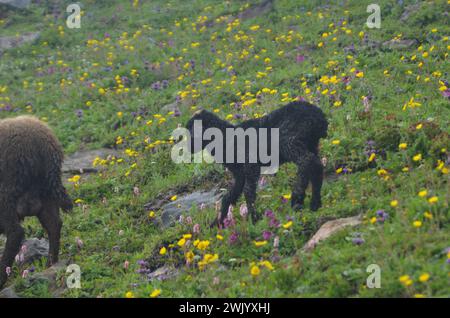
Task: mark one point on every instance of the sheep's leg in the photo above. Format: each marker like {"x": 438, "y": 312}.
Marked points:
{"x": 14, "y": 237}
{"x": 304, "y": 164}
{"x": 250, "y": 194}
{"x": 230, "y": 197}
{"x": 316, "y": 177}
{"x": 51, "y": 222}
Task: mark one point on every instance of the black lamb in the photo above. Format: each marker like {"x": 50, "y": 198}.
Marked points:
{"x": 301, "y": 126}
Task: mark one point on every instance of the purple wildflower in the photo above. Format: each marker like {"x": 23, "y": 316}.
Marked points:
{"x": 196, "y": 228}
{"x": 446, "y": 93}
{"x": 300, "y": 58}
{"x": 382, "y": 215}
{"x": 267, "y": 235}
{"x": 142, "y": 263}
{"x": 358, "y": 240}
{"x": 234, "y": 237}
{"x": 156, "y": 86}
{"x": 262, "y": 182}
{"x": 269, "y": 214}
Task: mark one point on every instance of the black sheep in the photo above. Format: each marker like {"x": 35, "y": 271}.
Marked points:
{"x": 301, "y": 125}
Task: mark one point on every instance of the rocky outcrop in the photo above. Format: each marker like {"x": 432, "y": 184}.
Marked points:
{"x": 81, "y": 161}
{"x": 10, "y": 42}
{"x": 20, "y": 4}
{"x": 400, "y": 44}
{"x": 330, "y": 228}
{"x": 172, "y": 210}
{"x": 257, "y": 10}
{"x": 32, "y": 249}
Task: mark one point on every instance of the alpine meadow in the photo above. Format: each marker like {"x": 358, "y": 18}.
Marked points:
{"x": 359, "y": 89}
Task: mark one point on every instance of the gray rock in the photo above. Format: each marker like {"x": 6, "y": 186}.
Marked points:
{"x": 8, "y": 292}
{"x": 163, "y": 273}
{"x": 81, "y": 161}
{"x": 35, "y": 249}
{"x": 258, "y": 10}
{"x": 9, "y": 42}
{"x": 400, "y": 44}
{"x": 173, "y": 107}
{"x": 21, "y": 4}
{"x": 173, "y": 210}
{"x": 330, "y": 228}
{"x": 49, "y": 276}
{"x": 411, "y": 9}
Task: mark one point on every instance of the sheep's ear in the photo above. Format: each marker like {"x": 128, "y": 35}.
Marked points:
{"x": 199, "y": 112}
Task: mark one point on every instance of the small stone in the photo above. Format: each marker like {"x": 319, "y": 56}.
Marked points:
{"x": 330, "y": 228}
{"x": 8, "y": 293}
{"x": 9, "y": 42}
{"x": 400, "y": 44}
{"x": 163, "y": 273}
{"x": 81, "y": 161}
{"x": 20, "y": 4}
{"x": 34, "y": 249}
{"x": 173, "y": 210}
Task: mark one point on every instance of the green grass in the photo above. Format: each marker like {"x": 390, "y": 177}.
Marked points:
{"x": 69, "y": 79}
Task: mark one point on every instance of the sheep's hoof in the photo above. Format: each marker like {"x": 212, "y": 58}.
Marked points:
{"x": 255, "y": 218}
{"x": 51, "y": 262}
{"x": 3, "y": 278}
{"x": 297, "y": 206}
{"x": 314, "y": 206}
{"x": 216, "y": 223}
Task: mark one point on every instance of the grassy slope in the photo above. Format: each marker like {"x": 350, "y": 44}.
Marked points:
{"x": 62, "y": 74}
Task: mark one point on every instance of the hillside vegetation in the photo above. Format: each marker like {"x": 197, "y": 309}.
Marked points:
{"x": 108, "y": 84}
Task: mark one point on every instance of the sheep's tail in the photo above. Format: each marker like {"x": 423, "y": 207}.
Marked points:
{"x": 59, "y": 193}
{"x": 56, "y": 189}
{"x": 65, "y": 201}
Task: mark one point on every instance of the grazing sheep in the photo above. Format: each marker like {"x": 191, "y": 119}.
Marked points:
{"x": 301, "y": 125}
{"x": 30, "y": 184}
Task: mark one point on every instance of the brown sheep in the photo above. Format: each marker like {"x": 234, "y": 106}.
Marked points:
{"x": 30, "y": 184}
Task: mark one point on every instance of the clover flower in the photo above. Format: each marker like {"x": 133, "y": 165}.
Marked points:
{"x": 358, "y": 240}
{"x": 267, "y": 235}
{"x": 382, "y": 215}
{"x": 243, "y": 210}
{"x": 234, "y": 237}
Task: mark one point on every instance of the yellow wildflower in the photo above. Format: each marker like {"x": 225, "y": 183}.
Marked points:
{"x": 260, "y": 243}
{"x": 433, "y": 199}
{"x": 255, "y": 271}
{"x": 423, "y": 193}
{"x": 287, "y": 225}
{"x": 129, "y": 295}
{"x": 155, "y": 293}
{"x": 424, "y": 277}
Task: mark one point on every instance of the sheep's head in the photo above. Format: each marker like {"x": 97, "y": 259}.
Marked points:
{"x": 196, "y": 126}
